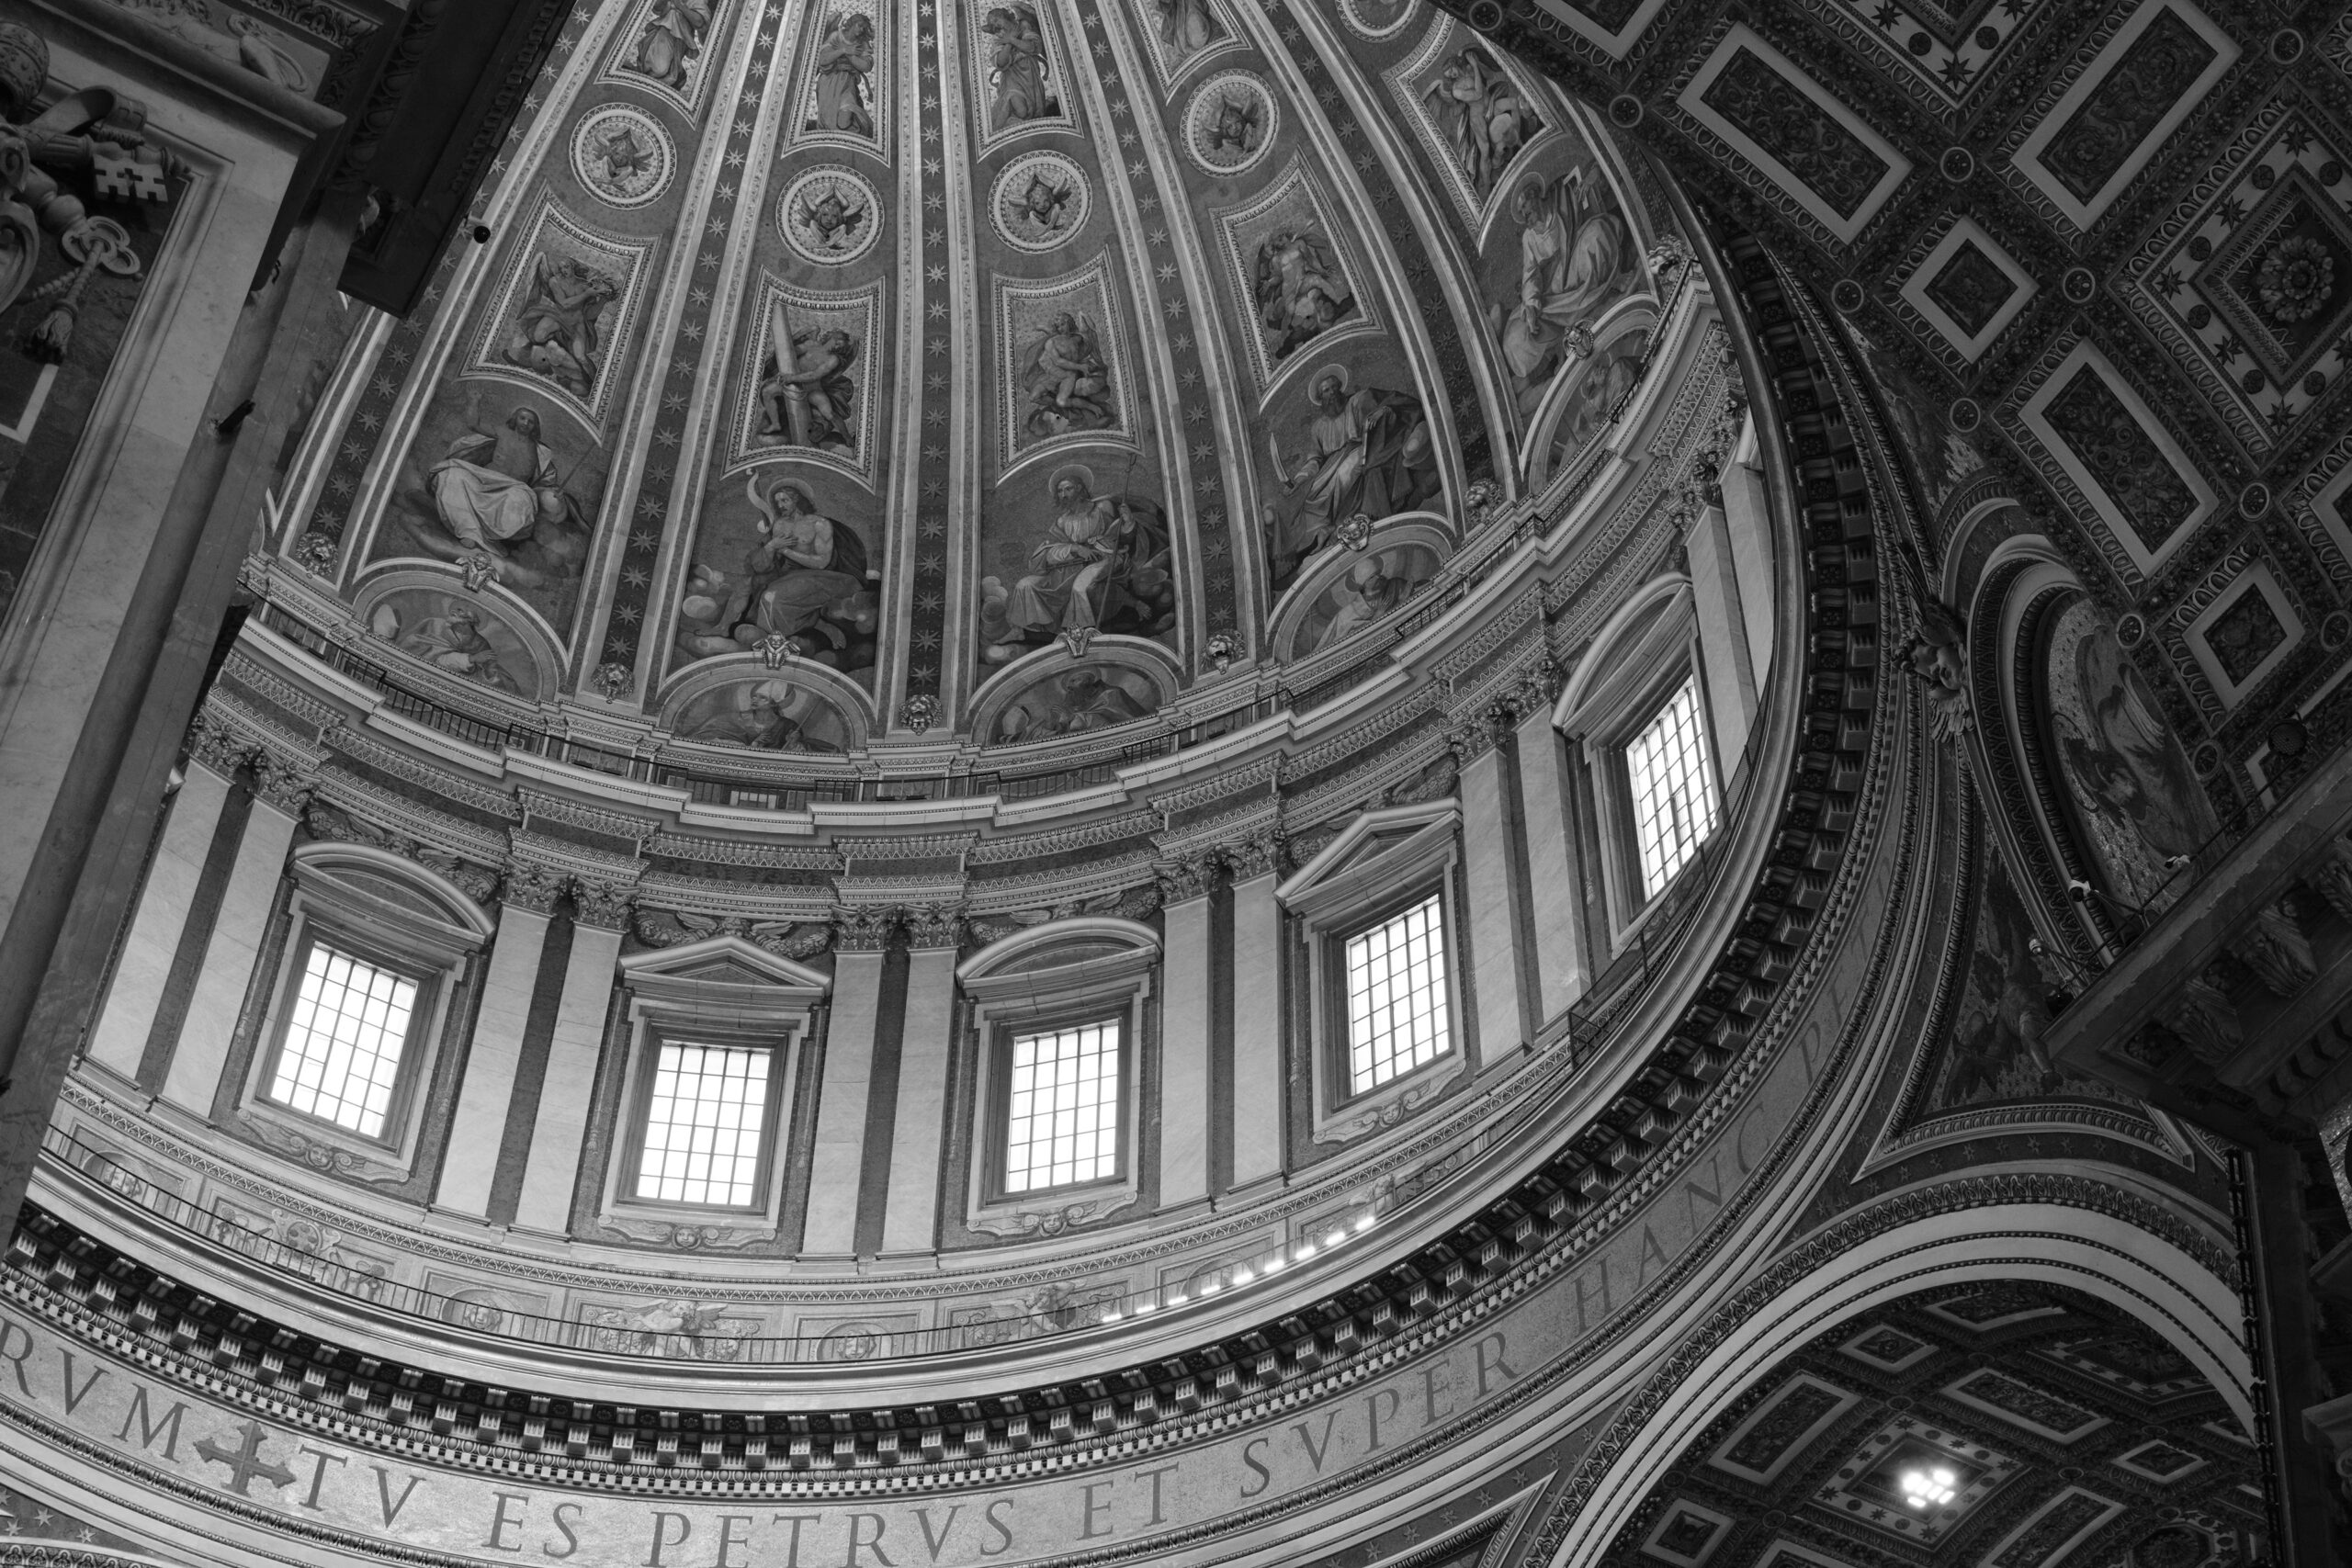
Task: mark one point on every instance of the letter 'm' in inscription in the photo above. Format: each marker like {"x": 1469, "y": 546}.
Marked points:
{"x": 169, "y": 1426}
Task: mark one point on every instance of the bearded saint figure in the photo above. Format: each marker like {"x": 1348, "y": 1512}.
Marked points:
{"x": 1371, "y": 454}
{"x": 1100, "y": 555}
{"x": 1575, "y": 256}
{"x": 496, "y": 486}
{"x": 804, "y": 565}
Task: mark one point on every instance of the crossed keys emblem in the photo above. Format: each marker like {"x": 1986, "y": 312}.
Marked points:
{"x": 245, "y": 1461}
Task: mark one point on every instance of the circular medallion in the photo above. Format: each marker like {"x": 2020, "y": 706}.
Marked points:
{"x": 1230, "y": 123}
{"x": 830, "y": 215}
{"x": 1965, "y": 415}
{"x": 1847, "y": 295}
{"x": 2078, "y": 285}
{"x": 1957, "y": 164}
{"x": 1039, "y": 202}
{"x": 2130, "y": 629}
{"x": 2286, "y": 46}
{"x": 1625, "y": 111}
{"x": 2254, "y": 499}
{"x": 1484, "y": 15}
{"x": 1377, "y": 19}
{"x": 622, "y": 155}
{"x": 2336, "y": 631}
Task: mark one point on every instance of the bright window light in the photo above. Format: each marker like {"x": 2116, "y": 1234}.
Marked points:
{"x": 703, "y": 1125}
{"x": 343, "y": 1043}
{"x": 1064, "y": 1126}
{"x": 1929, "y": 1488}
{"x": 1674, "y": 797}
{"x": 1396, "y": 1008}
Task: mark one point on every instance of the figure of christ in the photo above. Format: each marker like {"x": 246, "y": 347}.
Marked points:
{"x": 804, "y": 566}
{"x": 496, "y": 486}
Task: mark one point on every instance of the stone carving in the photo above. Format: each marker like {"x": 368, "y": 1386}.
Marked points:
{"x": 1261, "y": 854}
{"x": 283, "y": 783}
{"x": 1433, "y": 782}
{"x": 863, "y": 930}
{"x": 2330, "y": 874}
{"x": 532, "y": 887}
{"x": 934, "y": 925}
{"x": 1790, "y": 123}
{"x": 1188, "y": 878}
{"x": 685, "y": 1238}
{"x": 2273, "y": 946}
{"x": 1939, "y": 657}
{"x": 2093, "y": 146}
{"x": 2206, "y": 1021}
{"x": 220, "y": 747}
{"x": 602, "y": 904}
{"x": 95, "y": 128}
{"x": 676, "y": 1330}
{"x": 1138, "y": 903}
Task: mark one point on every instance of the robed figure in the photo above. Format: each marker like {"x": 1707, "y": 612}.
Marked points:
{"x": 496, "y": 485}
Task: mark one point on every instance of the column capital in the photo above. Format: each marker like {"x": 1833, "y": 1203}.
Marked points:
{"x": 1191, "y": 877}
{"x": 219, "y": 747}
{"x": 532, "y": 887}
{"x": 602, "y": 904}
{"x": 1261, "y": 855}
{"x": 284, "y": 784}
{"x": 935, "y": 926}
{"x": 863, "y": 930}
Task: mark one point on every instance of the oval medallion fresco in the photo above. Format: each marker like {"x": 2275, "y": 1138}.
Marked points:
{"x": 623, "y": 156}
{"x": 1039, "y": 202}
{"x": 1230, "y": 122}
{"x": 830, "y": 215}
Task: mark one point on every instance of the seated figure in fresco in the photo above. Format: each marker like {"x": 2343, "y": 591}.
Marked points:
{"x": 1371, "y": 457}
{"x": 454, "y": 642}
{"x": 844, "y": 64}
{"x": 1103, "y": 565}
{"x": 673, "y": 38}
{"x": 803, "y": 580}
{"x": 1073, "y": 703}
{"x": 763, "y": 722}
{"x": 1366, "y": 594}
{"x": 1067, "y": 379}
{"x": 804, "y": 565}
{"x": 497, "y": 486}
{"x": 1574, "y": 256}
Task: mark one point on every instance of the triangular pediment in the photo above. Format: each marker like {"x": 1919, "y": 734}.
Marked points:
{"x": 1398, "y": 840}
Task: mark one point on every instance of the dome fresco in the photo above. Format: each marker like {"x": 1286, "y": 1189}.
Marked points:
{"x": 991, "y": 330}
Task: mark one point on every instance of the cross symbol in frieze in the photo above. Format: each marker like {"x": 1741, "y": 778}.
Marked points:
{"x": 245, "y": 1461}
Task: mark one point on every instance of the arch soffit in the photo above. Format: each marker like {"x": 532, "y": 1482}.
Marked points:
{"x": 1004, "y": 954}
{"x": 1645, "y": 607}
{"x": 2162, "y": 1285}
{"x": 329, "y": 857}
